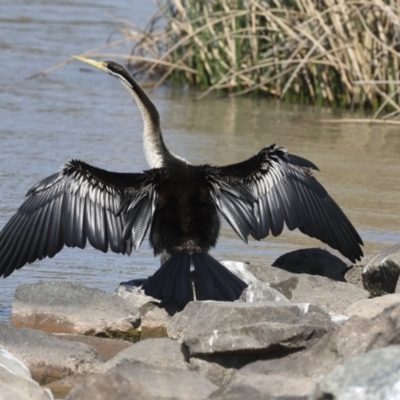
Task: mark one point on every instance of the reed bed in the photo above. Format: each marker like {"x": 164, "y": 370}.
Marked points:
{"x": 328, "y": 52}
{"x": 325, "y": 52}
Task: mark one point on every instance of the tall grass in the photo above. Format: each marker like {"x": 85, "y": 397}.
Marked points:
{"x": 327, "y": 52}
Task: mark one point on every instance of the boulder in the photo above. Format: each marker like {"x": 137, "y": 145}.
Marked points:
{"x": 155, "y": 319}
{"x": 62, "y": 387}
{"x": 259, "y": 292}
{"x": 105, "y": 347}
{"x": 314, "y": 261}
{"x": 217, "y": 369}
{"x": 238, "y": 393}
{"x": 113, "y": 385}
{"x": 47, "y": 357}
{"x": 370, "y": 308}
{"x": 158, "y": 352}
{"x": 68, "y": 307}
{"x": 210, "y": 327}
{"x": 354, "y": 274}
{"x": 271, "y": 386}
{"x": 356, "y": 336}
{"x": 382, "y": 272}
{"x": 330, "y": 295}
{"x": 16, "y": 382}
{"x": 165, "y": 381}
{"x": 371, "y": 376}
{"x": 240, "y": 270}
{"x": 133, "y": 293}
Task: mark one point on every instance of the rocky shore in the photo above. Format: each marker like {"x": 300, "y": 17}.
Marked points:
{"x": 310, "y": 327}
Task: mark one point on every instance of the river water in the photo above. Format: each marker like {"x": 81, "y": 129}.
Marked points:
{"x": 77, "y": 112}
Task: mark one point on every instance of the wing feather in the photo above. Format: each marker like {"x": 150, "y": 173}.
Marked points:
{"x": 287, "y": 193}
{"x": 78, "y": 204}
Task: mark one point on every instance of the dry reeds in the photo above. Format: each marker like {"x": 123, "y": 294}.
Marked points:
{"x": 327, "y": 52}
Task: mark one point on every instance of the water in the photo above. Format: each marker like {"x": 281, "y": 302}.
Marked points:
{"x": 77, "y": 112}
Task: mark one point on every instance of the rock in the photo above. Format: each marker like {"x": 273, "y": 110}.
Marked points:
{"x": 165, "y": 382}
{"x": 215, "y": 372}
{"x": 260, "y": 292}
{"x": 354, "y": 274}
{"x": 158, "y": 352}
{"x": 381, "y": 274}
{"x": 16, "y": 382}
{"x": 220, "y": 367}
{"x": 371, "y": 376}
{"x": 338, "y": 319}
{"x": 105, "y": 347}
{"x": 109, "y": 386}
{"x": 155, "y": 319}
{"x": 356, "y": 336}
{"x": 238, "y": 393}
{"x": 370, "y": 308}
{"x": 221, "y": 327}
{"x": 62, "y": 387}
{"x": 68, "y": 307}
{"x": 314, "y": 262}
{"x": 240, "y": 270}
{"x": 179, "y": 322}
{"x": 133, "y": 293}
{"x": 47, "y": 357}
{"x": 332, "y": 296}
{"x": 271, "y": 387}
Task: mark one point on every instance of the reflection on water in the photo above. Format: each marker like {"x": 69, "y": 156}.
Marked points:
{"x": 81, "y": 113}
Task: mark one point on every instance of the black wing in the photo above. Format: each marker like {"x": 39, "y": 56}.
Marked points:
{"x": 78, "y": 204}
{"x": 286, "y": 192}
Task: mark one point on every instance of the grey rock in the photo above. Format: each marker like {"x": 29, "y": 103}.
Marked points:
{"x": 371, "y": 376}
{"x": 16, "y": 382}
{"x": 220, "y": 327}
{"x": 166, "y": 382}
{"x": 272, "y": 386}
{"x": 259, "y": 292}
{"x": 47, "y": 357}
{"x": 330, "y": 295}
{"x": 179, "y": 322}
{"x": 354, "y": 274}
{"x": 132, "y": 292}
{"x": 338, "y": 319}
{"x": 240, "y": 270}
{"x": 62, "y": 387}
{"x": 314, "y": 261}
{"x": 239, "y": 392}
{"x": 356, "y": 336}
{"x": 256, "y": 291}
{"x": 370, "y": 308}
{"x": 381, "y": 274}
{"x": 216, "y": 370}
{"x": 113, "y": 385}
{"x": 105, "y": 347}
{"x": 158, "y": 352}
{"x": 155, "y": 319}
{"x": 13, "y": 364}
{"x": 68, "y": 307}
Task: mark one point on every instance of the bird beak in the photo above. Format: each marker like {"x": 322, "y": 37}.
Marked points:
{"x": 98, "y": 64}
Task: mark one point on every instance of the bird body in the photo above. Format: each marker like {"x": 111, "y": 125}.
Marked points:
{"x": 179, "y": 204}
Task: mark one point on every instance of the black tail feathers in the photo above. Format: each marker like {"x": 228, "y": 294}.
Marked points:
{"x": 172, "y": 280}
{"x": 212, "y": 276}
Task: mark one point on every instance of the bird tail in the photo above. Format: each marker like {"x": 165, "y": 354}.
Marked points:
{"x": 212, "y": 276}
{"x": 172, "y": 280}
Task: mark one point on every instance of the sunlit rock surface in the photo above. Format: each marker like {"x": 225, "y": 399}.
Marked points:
{"x": 68, "y": 307}
{"x": 16, "y": 382}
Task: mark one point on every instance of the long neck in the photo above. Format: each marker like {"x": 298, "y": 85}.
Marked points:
{"x": 154, "y": 147}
